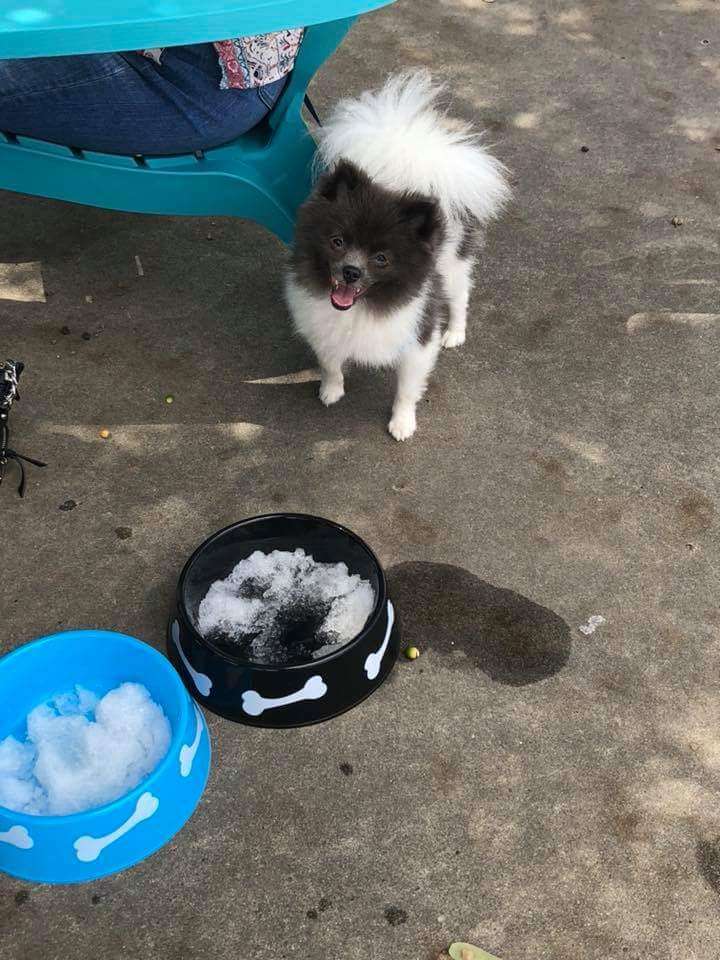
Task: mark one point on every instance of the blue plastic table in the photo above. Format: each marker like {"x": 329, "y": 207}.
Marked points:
{"x": 264, "y": 175}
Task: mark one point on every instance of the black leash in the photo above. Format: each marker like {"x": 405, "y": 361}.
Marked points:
{"x": 10, "y": 372}
{"x": 312, "y": 111}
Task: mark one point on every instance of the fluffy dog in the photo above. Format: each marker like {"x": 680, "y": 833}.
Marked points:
{"x": 385, "y": 247}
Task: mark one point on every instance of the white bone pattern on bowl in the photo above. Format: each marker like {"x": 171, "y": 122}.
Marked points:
{"x": 254, "y": 704}
{"x": 88, "y": 849}
{"x": 17, "y": 836}
{"x": 188, "y": 751}
{"x": 373, "y": 661}
{"x": 202, "y": 682}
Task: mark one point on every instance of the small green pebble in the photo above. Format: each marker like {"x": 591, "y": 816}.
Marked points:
{"x": 412, "y": 653}
{"x": 169, "y": 398}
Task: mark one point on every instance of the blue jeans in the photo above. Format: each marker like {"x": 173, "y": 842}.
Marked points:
{"x": 126, "y": 103}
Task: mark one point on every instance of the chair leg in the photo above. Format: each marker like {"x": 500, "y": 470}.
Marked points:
{"x": 290, "y": 176}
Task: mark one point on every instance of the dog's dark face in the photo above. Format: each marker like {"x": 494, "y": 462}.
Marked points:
{"x": 357, "y": 241}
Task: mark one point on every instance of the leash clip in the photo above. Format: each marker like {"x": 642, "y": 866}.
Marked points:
{"x": 10, "y": 371}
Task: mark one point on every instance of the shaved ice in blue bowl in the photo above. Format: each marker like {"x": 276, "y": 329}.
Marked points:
{"x": 103, "y": 756}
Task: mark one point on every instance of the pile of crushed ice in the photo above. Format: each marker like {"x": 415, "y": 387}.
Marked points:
{"x": 81, "y": 751}
{"x": 284, "y": 607}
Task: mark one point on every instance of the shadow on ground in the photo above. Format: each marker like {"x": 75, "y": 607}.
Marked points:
{"x": 708, "y": 859}
{"x": 474, "y": 624}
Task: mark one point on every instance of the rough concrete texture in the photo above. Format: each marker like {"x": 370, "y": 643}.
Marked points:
{"x": 542, "y": 792}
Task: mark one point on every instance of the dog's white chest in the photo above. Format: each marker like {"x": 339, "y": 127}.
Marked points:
{"x": 354, "y": 334}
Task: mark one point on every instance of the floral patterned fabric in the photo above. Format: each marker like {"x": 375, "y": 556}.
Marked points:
{"x": 252, "y": 61}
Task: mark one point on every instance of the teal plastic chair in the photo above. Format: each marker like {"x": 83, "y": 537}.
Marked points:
{"x": 263, "y": 176}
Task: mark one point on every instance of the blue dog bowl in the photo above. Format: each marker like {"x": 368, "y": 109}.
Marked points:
{"x": 84, "y": 846}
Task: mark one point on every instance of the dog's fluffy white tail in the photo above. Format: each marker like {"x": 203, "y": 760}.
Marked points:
{"x": 402, "y": 138}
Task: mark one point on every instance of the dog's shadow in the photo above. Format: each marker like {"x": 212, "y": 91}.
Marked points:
{"x": 475, "y": 625}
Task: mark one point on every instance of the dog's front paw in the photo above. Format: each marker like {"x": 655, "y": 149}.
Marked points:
{"x": 402, "y": 425}
{"x": 331, "y": 392}
{"x": 453, "y": 338}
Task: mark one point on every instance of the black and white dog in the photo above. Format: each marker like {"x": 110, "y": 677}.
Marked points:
{"x": 385, "y": 247}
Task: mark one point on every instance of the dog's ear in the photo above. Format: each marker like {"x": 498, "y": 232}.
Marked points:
{"x": 423, "y": 215}
{"x": 345, "y": 178}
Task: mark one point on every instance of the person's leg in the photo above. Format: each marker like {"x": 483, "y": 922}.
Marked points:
{"x": 126, "y": 103}
{"x": 190, "y": 77}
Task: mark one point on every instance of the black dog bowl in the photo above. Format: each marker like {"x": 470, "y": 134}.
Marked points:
{"x": 285, "y": 695}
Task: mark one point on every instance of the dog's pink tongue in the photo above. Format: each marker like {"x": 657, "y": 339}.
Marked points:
{"x": 343, "y": 296}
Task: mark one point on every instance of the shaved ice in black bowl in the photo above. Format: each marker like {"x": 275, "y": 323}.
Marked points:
{"x": 283, "y": 620}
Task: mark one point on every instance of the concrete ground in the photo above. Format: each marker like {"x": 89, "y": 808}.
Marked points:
{"x": 540, "y": 790}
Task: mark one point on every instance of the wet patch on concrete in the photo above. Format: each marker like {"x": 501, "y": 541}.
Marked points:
{"x": 476, "y": 625}
{"x": 550, "y": 467}
{"x": 696, "y": 513}
{"x": 395, "y": 916}
{"x": 414, "y": 528}
{"x": 707, "y": 854}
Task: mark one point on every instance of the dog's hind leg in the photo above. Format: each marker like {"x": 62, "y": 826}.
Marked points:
{"x": 456, "y": 265}
{"x": 458, "y": 284}
{"x": 416, "y": 365}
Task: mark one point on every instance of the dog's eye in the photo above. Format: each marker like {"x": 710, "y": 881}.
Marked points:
{"x": 380, "y": 259}
{"x": 337, "y": 242}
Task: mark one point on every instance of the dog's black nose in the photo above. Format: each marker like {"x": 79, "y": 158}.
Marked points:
{"x": 351, "y": 274}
